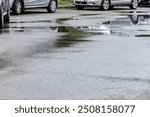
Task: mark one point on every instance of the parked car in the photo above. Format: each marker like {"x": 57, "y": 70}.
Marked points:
{"x": 4, "y": 12}
{"x": 105, "y": 4}
{"x": 18, "y": 6}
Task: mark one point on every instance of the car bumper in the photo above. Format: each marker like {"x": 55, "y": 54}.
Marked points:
{"x": 87, "y": 3}
{"x": 145, "y": 2}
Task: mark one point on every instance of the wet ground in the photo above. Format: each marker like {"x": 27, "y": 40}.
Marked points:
{"x": 76, "y": 55}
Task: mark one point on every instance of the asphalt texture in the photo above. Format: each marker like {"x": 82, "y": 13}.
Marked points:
{"x": 76, "y": 54}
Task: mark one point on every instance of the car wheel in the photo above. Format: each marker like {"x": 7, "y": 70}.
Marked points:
{"x": 52, "y": 6}
{"x": 7, "y": 16}
{"x": 17, "y": 7}
{"x": 105, "y": 5}
{"x": 1, "y": 18}
{"x": 134, "y": 4}
{"x": 79, "y": 7}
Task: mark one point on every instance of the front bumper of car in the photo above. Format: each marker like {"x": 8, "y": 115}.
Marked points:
{"x": 87, "y": 3}
{"x": 145, "y": 2}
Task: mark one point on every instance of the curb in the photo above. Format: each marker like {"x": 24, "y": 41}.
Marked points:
{"x": 65, "y": 6}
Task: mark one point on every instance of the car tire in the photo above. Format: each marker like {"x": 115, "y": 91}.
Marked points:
{"x": 134, "y": 4}
{"x": 17, "y": 7}
{"x": 105, "y": 5}
{"x": 79, "y": 7}
{"x": 52, "y": 6}
{"x": 1, "y": 18}
{"x": 7, "y": 16}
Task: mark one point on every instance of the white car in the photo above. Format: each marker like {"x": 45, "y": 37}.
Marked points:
{"x": 18, "y": 6}
{"x": 105, "y": 4}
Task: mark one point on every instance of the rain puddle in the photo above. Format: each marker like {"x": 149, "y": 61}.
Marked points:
{"x": 88, "y": 14}
{"x": 144, "y": 35}
{"x": 52, "y": 38}
{"x": 40, "y": 21}
{"x": 139, "y": 12}
{"x": 132, "y": 25}
{"x": 72, "y": 37}
{"x": 124, "y": 26}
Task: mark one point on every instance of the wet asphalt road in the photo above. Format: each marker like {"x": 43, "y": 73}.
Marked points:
{"x": 74, "y": 54}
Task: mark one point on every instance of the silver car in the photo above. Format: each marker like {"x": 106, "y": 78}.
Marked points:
{"x": 105, "y": 4}
{"x": 18, "y": 6}
{"x": 4, "y": 12}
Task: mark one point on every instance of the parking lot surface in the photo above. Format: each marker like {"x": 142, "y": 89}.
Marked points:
{"x": 73, "y": 54}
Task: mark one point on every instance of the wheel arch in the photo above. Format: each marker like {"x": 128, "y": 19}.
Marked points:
{"x": 109, "y": 1}
{"x": 22, "y": 1}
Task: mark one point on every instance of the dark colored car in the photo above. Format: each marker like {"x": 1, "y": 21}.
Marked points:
{"x": 145, "y": 2}
{"x": 4, "y": 12}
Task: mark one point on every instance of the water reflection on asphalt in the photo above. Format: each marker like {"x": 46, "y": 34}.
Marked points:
{"x": 114, "y": 27}
{"x": 77, "y": 34}
{"x": 72, "y": 35}
{"x": 66, "y": 60}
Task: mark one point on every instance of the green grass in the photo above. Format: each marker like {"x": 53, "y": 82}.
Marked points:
{"x": 64, "y": 2}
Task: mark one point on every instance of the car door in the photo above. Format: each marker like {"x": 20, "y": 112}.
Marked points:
{"x": 37, "y": 3}
{"x": 117, "y": 2}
